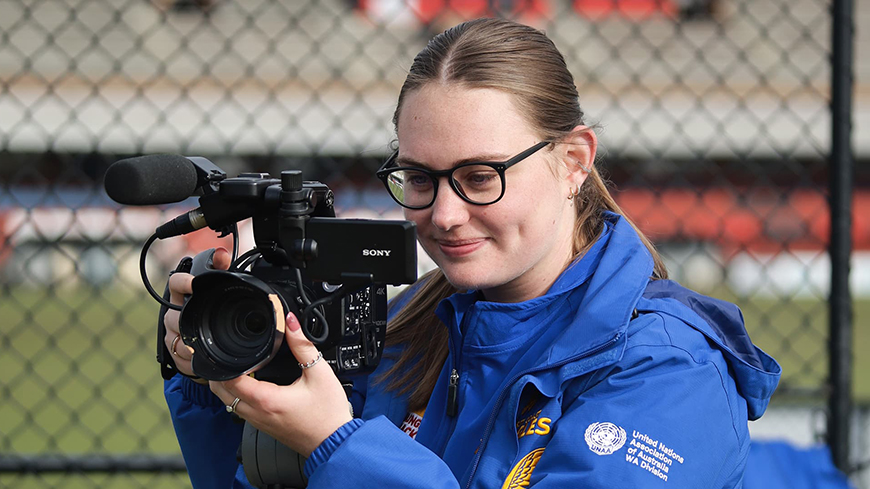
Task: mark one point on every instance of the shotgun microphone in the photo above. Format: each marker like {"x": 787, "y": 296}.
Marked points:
{"x": 151, "y": 180}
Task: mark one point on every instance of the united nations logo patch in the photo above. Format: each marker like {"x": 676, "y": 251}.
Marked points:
{"x": 604, "y": 438}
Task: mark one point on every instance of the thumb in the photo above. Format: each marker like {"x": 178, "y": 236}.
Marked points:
{"x": 221, "y": 259}
{"x": 302, "y": 348}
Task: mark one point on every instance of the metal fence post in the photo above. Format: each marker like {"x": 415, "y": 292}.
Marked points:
{"x": 842, "y": 172}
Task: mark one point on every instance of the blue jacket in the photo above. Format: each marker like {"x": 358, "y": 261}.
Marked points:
{"x": 608, "y": 380}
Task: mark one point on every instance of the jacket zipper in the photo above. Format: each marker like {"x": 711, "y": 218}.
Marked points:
{"x": 514, "y": 379}
{"x": 452, "y": 408}
{"x": 453, "y": 394}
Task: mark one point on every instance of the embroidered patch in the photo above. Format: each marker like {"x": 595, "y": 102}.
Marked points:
{"x": 534, "y": 424}
{"x": 521, "y": 475}
{"x": 652, "y": 455}
{"x": 604, "y": 438}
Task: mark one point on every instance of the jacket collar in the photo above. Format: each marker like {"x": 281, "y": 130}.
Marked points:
{"x": 602, "y": 287}
{"x": 617, "y": 280}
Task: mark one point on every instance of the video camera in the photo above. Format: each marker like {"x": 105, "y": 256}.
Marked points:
{"x": 332, "y": 273}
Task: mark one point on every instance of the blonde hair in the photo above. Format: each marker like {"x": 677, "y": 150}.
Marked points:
{"x": 522, "y": 61}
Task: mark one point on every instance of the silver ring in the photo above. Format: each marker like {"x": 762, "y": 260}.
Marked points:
{"x": 312, "y": 362}
{"x": 174, "y": 344}
{"x": 232, "y": 407}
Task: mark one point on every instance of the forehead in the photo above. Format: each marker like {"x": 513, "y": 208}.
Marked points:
{"x": 454, "y": 122}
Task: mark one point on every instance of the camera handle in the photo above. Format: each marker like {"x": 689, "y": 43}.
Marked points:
{"x": 267, "y": 461}
{"x": 164, "y": 358}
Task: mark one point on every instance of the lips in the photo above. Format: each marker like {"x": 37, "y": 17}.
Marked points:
{"x": 459, "y": 248}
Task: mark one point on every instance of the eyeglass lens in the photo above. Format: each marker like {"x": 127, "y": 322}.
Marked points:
{"x": 480, "y": 184}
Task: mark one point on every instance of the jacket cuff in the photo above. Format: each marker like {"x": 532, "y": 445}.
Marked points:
{"x": 325, "y": 450}
{"x": 197, "y": 394}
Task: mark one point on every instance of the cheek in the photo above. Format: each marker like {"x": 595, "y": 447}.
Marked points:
{"x": 422, "y": 219}
{"x": 414, "y": 216}
{"x": 508, "y": 224}
{"x": 542, "y": 214}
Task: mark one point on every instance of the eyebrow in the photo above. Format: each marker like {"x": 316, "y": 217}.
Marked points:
{"x": 482, "y": 158}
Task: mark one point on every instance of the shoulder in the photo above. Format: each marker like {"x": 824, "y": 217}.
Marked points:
{"x": 671, "y": 388}
{"x": 678, "y": 363}
{"x": 659, "y": 343}
{"x": 664, "y": 335}
{"x": 674, "y": 401}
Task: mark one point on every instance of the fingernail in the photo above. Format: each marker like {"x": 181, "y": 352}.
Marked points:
{"x": 292, "y": 322}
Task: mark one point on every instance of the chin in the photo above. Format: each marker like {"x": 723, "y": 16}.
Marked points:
{"x": 467, "y": 281}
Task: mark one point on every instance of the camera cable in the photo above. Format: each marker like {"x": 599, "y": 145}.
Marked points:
{"x": 313, "y": 308}
{"x": 144, "y": 273}
{"x": 246, "y": 260}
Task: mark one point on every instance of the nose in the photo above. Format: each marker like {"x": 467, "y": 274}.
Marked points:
{"x": 448, "y": 210}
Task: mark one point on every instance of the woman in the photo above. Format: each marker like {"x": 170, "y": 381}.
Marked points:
{"x": 547, "y": 349}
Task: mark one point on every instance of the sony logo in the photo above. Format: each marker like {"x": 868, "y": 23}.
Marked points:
{"x": 377, "y": 252}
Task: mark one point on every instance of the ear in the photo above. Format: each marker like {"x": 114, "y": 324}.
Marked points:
{"x": 580, "y": 148}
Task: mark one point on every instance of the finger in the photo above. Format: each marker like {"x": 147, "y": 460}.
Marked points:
{"x": 245, "y": 387}
{"x": 227, "y": 398}
{"x": 221, "y": 259}
{"x": 170, "y": 321}
{"x": 180, "y": 284}
{"x": 181, "y": 353}
{"x": 173, "y": 330}
{"x": 303, "y": 350}
{"x": 256, "y": 393}
{"x": 221, "y": 391}
{"x": 181, "y": 356}
{"x": 171, "y": 344}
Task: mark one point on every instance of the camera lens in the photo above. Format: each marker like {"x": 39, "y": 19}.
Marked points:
{"x": 239, "y": 325}
{"x": 251, "y": 324}
{"x": 234, "y": 321}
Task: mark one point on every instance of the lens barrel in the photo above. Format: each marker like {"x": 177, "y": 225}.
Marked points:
{"x": 234, "y": 322}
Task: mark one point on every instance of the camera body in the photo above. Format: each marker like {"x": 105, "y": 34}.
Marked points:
{"x": 234, "y": 321}
{"x": 357, "y": 326}
{"x": 331, "y": 273}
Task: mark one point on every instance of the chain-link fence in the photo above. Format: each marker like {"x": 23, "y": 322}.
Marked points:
{"x": 714, "y": 117}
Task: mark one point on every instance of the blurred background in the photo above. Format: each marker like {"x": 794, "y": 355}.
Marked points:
{"x": 714, "y": 116}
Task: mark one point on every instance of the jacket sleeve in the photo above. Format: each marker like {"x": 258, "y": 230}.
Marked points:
{"x": 376, "y": 453}
{"x": 208, "y": 436}
{"x": 653, "y": 422}
{"x": 659, "y": 419}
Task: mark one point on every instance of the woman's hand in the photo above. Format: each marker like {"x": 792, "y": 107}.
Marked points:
{"x": 180, "y": 284}
{"x": 300, "y": 415}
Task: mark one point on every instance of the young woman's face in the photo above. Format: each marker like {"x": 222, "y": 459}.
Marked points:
{"x": 514, "y": 249}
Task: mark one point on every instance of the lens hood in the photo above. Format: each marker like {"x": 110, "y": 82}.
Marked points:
{"x": 234, "y": 322}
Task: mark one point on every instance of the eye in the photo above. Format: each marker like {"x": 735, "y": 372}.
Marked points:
{"x": 418, "y": 179}
{"x": 477, "y": 177}
{"x": 482, "y": 178}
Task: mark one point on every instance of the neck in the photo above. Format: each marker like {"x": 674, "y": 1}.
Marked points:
{"x": 534, "y": 282}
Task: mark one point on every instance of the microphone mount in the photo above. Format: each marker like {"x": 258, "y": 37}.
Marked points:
{"x": 208, "y": 175}
{"x": 208, "y": 179}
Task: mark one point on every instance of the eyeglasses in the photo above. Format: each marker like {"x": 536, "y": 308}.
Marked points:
{"x": 476, "y": 183}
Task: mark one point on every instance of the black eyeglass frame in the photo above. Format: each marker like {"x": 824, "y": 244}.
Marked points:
{"x": 384, "y": 171}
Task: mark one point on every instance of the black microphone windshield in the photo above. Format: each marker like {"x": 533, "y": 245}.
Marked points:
{"x": 151, "y": 180}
